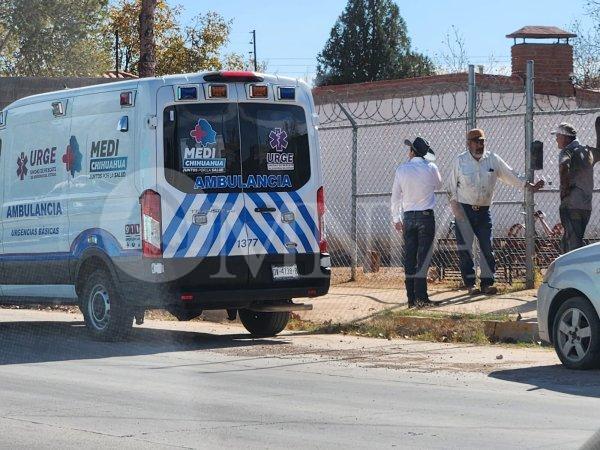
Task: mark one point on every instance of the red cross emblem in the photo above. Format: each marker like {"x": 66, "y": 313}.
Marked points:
{"x": 198, "y": 133}
{"x": 69, "y": 158}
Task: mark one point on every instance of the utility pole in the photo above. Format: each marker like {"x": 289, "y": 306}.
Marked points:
{"x": 253, "y": 42}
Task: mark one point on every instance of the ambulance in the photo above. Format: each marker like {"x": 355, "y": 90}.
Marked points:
{"x": 186, "y": 193}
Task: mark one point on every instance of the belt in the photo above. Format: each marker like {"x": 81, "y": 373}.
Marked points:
{"x": 427, "y": 212}
{"x": 475, "y": 207}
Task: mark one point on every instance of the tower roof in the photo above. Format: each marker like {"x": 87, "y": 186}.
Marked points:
{"x": 541, "y": 32}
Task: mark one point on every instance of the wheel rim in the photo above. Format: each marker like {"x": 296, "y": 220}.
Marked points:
{"x": 574, "y": 334}
{"x": 99, "y": 307}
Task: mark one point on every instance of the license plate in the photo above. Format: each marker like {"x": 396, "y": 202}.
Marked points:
{"x": 285, "y": 272}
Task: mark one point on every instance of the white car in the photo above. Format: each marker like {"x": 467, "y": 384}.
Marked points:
{"x": 569, "y": 307}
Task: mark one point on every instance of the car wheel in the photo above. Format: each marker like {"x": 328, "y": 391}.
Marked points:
{"x": 106, "y": 316}
{"x": 264, "y": 324}
{"x": 576, "y": 333}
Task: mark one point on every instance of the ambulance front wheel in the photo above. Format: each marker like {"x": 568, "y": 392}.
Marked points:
{"x": 264, "y": 324}
{"x": 105, "y": 314}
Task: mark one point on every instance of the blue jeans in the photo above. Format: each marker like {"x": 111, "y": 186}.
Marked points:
{"x": 476, "y": 223}
{"x": 419, "y": 232}
{"x": 574, "y": 221}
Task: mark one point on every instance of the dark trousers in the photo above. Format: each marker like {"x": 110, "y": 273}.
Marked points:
{"x": 419, "y": 232}
{"x": 476, "y": 223}
{"x": 574, "y": 221}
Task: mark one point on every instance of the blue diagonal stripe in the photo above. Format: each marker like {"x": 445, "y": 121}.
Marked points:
{"x": 304, "y": 211}
{"x": 272, "y": 222}
{"x": 193, "y": 229}
{"x": 176, "y": 220}
{"x": 262, "y": 237}
{"x": 294, "y": 225}
{"x": 213, "y": 233}
{"x": 234, "y": 234}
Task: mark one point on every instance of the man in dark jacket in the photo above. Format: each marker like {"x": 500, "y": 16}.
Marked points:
{"x": 576, "y": 171}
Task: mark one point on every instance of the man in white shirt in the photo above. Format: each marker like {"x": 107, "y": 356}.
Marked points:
{"x": 471, "y": 187}
{"x": 413, "y": 200}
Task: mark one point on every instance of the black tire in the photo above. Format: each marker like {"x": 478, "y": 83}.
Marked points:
{"x": 106, "y": 315}
{"x": 576, "y": 334}
{"x": 264, "y": 324}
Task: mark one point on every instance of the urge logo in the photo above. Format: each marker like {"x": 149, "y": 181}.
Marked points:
{"x": 22, "y": 166}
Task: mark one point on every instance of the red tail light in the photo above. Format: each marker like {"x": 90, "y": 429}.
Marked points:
{"x": 233, "y": 76}
{"x": 320, "y": 214}
{"x": 151, "y": 224}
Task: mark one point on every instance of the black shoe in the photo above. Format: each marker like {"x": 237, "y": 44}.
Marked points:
{"x": 424, "y": 303}
{"x": 473, "y": 290}
{"x": 489, "y": 290}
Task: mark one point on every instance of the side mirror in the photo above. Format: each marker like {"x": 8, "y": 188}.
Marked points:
{"x": 123, "y": 125}
{"x": 537, "y": 155}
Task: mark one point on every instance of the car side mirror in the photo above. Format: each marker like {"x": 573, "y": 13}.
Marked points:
{"x": 537, "y": 155}
{"x": 123, "y": 125}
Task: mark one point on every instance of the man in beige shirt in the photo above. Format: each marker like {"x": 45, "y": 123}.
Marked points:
{"x": 471, "y": 187}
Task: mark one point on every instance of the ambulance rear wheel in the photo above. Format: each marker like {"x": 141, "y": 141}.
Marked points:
{"x": 264, "y": 324}
{"x": 106, "y": 316}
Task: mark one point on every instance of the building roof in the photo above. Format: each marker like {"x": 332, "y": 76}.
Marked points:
{"x": 411, "y": 87}
{"x": 540, "y": 32}
{"x": 120, "y": 74}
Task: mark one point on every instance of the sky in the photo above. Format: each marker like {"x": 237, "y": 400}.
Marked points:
{"x": 290, "y": 34}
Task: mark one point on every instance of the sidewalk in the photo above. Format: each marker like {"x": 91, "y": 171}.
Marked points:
{"x": 348, "y": 304}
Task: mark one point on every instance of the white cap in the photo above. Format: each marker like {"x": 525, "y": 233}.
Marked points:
{"x": 566, "y": 129}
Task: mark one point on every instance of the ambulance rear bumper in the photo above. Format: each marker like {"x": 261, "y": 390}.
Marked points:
{"x": 216, "y": 283}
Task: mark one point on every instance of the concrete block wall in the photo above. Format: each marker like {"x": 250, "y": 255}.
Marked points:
{"x": 14, "y": 88}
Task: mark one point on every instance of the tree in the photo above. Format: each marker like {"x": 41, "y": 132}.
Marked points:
{"x": 235, "y": 61}
{"x": 54, "y": 38}
{"x": 147, "y": 65}
{"x": 586, "y": 57}
{"x": 369, "y": 42}
{"x": 192, "y": 48}
{"x": 454, "y": 57}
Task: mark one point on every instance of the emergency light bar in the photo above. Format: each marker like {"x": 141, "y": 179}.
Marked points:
{"x": 217, "y": 91}
{"x": 259, "y": 91}
{"x": 286, "y": 93}
{"x": 187, "y": 93}
{"x": 126, "y": 98}
{"x": 233, "y": 76}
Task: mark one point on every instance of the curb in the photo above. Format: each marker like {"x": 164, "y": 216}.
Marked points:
{"x": 515, "y": 331}
{"x": 494, "y": 330}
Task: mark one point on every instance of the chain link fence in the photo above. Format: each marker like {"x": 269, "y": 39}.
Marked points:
{"x": 362, "y": 144}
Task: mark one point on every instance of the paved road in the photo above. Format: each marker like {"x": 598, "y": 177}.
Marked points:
{"x": 199, "y": 385}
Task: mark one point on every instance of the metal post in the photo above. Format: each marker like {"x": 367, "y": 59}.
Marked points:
{"x": 472, "y": 99}
{"x": 354, "y": 192}
{"x": 529, "y": 199}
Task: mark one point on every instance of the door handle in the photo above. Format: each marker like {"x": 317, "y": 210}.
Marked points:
{"x": 264, "y": 210}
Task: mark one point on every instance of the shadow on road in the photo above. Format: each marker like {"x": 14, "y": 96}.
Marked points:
{"x": 554, "y": 378}
{"x": 34, "y": 342}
